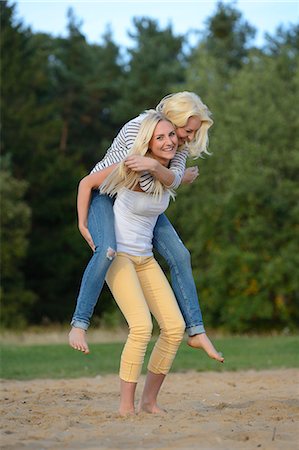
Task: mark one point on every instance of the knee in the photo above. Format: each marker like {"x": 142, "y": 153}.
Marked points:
{"x": 110, "y": 253}
{"x": 175, "y": 332}
{"x": 105, "y": 254}
{"x": 183, "y": 254}
{"x": 142, "y": 332}
{"x": 178, "y": 254}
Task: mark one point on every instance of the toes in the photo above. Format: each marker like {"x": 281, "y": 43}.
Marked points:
{"x": 220, "y": 357}
{"x": 80, "y": 347}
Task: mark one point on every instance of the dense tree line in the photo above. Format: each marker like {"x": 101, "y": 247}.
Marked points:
{"x": 63, "y": 100}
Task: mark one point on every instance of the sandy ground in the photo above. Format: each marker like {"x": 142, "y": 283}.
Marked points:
{"x": 207, "y": 411}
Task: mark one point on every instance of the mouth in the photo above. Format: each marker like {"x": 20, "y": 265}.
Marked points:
{"x": 169, "y": 150}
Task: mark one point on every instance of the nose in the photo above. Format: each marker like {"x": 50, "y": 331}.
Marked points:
{"x": 191, "y": 136}
{"x": 169, "y": 140}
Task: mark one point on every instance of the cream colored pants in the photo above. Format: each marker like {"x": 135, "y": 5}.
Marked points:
{"x": 140, "y": 288}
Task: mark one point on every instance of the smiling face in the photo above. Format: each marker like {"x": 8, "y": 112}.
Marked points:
{"x": 164, "y": 142}
{"x": 187, "y": 133}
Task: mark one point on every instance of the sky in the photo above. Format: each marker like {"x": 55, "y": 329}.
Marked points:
{"x": 184, "y": 16}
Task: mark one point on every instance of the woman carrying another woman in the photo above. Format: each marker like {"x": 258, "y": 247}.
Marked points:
{"x": 135, "y": 279}
{"x": 192, "y": 121}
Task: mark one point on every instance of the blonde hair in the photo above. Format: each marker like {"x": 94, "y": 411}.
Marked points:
{"x": 122, "y": 176}
{"x": 178, "y": 108}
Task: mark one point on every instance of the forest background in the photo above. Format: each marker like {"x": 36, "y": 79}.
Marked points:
{"x": 63, "y": 101}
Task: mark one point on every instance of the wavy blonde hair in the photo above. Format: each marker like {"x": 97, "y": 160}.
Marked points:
{"x": 122, "y": 176}
{"x": 178, "y": 108}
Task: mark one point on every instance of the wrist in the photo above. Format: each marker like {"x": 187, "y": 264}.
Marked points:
{"x": 154, "y": 167}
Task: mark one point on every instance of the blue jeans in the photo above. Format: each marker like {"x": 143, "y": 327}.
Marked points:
{"x": 168, "y": 245}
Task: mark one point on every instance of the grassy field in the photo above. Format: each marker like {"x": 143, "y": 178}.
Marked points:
{"x": 60, "y": 361}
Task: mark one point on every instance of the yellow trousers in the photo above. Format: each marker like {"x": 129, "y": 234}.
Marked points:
{"x": 140, "y": 288}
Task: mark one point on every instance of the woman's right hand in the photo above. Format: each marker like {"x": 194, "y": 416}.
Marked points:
{"x": 87, "y": 236}
{"x": 139, "y": 163}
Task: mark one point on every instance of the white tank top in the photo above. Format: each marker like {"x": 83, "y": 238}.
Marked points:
{"x": 136, "y": 214}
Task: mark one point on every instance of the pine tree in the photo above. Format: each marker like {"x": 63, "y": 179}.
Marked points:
{"x": 156, "y": 63}
{"x": 16, "y": 300}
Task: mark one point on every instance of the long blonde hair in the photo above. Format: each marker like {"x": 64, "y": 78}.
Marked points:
{"x": 178, "y": 108}
{"x": 123, "y": 177}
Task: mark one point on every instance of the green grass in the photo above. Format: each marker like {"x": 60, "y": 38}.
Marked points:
{"x": 60, "y": 361}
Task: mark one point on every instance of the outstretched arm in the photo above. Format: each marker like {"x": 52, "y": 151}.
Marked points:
{"x": 92, "y": 181}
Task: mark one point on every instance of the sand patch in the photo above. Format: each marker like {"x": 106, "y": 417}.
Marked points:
{"x": 207, "y": 411}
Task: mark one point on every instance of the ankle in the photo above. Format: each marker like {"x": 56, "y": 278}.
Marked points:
{"x": 151, "y": 407}
{"x": 125, "y": 409}
{"x": 147, "y": 401}
{"x": 78, "y": 330}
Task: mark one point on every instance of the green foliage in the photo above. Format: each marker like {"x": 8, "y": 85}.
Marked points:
{"x": 64, "y": 100}
{"x": 227, "y": 37}
{"x": 15, "y": 224}
{"x": 156, "y": 63}
{"x": 86, "y": 79}
{"x": 243, "y": 231}
{"x": 111, "y": 319}
{"x": 51, "y": 93}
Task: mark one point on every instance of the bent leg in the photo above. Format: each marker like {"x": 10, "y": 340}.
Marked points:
{"x": 101, "y": 227}
{"x": 168, "y": 244}
{"x": 163, "y": 305}
{"x": 125, "y": 287}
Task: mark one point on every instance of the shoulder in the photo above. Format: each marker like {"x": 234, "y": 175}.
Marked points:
{"x": 130, "y": 130}
{"x": 133, "y": 124}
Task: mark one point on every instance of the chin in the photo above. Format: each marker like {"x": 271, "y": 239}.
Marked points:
{"x": 170, "y": 154}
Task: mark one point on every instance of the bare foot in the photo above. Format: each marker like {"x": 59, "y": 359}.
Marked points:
{"x": 202, "y": 341}
{"x": 151, "y": 408}
{"x": 77, "y": 340}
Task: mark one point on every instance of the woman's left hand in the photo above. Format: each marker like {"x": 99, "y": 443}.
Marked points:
{"x": 139, "y": 163}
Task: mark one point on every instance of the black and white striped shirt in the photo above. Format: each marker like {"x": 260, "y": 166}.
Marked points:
{"x": 123, "y": 143}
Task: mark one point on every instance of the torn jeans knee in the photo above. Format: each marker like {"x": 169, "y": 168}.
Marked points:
{"x": 110, "y": 253}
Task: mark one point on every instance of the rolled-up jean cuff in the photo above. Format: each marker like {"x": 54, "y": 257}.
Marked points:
{"x": 79, "y": 324}
{"x": 197, "y": 329}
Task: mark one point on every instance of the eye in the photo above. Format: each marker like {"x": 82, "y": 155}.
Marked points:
{"x": 173, "y": 133}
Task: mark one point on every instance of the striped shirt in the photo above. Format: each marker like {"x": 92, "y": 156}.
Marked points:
{"x": 123, "y": 143}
